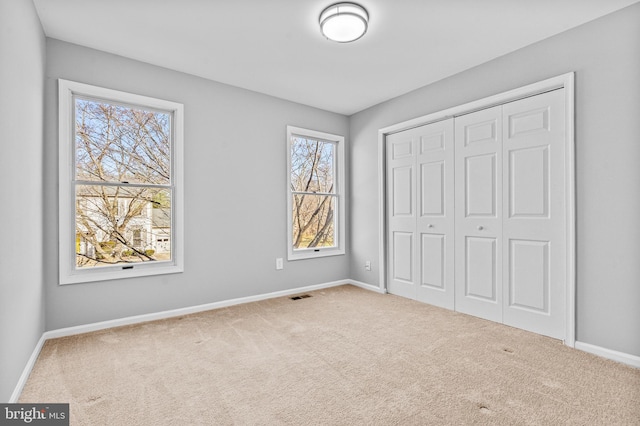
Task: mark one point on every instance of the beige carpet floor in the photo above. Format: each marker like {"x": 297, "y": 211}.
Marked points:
{"x": 344, "y": 356}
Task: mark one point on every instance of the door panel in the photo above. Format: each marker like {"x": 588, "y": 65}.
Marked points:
{"x": 402, "y": 182}
{"x": 402, "y": 148}
{"x": 403, "y": 256}
{"x": 433, "y": 140}
{"x": 534, "y": 227}
{"x": 529, "y": 275}
{"x": 478, "y": 214}
{"x": 432, "y": 184}
{"x": 529, "y": 182}
{"x": 433, "y": 260}
{"x": 480, "y": 185}
{"x": 528, "y": 121}
{"x": 480, "y": 265}
{"x": 485, "y": 129}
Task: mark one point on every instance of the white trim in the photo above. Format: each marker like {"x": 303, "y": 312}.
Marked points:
{"x": 68, "y": 273}
{"x": 382, "y": 212}
{"x": 27, "y": 370}
{"x": 367, "y": 286}
{"x": 565, "y": 81}
{"x": 339, "y": 217}
{"x": 70, "y": 331}
{"x": 570, "y": 175}
{"x": 625, "y": 358}
{"x": 484, "y": 103}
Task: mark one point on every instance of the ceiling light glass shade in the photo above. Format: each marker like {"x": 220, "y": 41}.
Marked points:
{"x": 344, "y": 22}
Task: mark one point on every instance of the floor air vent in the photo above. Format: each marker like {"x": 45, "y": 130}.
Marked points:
{"x": 302, "y": 296}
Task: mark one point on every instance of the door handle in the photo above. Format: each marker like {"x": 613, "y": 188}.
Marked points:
{"x": 430, "y": 225}
{"x": 480, "y": 228}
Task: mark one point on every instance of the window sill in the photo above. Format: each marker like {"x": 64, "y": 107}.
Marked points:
{"x": 314, "y": 253}
{"x": 114, "y": 273}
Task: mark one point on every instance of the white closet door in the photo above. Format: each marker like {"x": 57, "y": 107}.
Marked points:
{"x": 478, "y": 214}
{"x": 420, "y": 201}
{"x": 534, "y": 214}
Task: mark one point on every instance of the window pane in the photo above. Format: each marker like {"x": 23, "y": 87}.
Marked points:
{"x": 313, "y": 221}
{"x": 118, "y": 224}
{"x": 116, "y": 143}
{"x": 312, "y": 165}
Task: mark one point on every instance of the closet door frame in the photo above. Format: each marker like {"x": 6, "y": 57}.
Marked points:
{"x": 564, "y": 81}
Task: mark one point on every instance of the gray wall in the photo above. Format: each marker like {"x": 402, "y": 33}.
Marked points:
{"x": 22, "y": 55}
{"x": 235, "y": 192}
{"x": 605, "y": 54}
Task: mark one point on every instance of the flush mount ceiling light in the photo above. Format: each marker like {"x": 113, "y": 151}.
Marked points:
{"x": 344, "y": 22}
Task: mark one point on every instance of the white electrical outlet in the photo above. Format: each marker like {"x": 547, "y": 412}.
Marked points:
{"x": 279, "y": 263}
{"x": 367, "y": 265}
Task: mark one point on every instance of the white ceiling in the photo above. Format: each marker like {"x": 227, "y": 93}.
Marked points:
{"x": 275, "y": 46}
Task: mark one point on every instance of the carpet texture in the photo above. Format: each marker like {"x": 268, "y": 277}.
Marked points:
{"x": 344, "y": 356}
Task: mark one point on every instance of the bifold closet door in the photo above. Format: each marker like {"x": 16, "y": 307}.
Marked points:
{"x": 511, "y": 214}
{"x": 534, "y": 214}
{"x": 420, "y": 179}
{"x": 476, "y": 210}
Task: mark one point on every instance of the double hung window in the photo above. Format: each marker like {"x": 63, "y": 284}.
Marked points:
{"x": 120, "y": 184}
{"x": 316, "y": 193}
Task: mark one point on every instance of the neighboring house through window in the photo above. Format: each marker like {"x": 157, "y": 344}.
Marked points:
{"x": 316, "y": 207}
{"x": 120, "y": 184}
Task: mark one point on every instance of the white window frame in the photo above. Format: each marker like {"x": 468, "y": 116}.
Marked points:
{"x": 340, "y": 210}
{"x": 66, "y": 150}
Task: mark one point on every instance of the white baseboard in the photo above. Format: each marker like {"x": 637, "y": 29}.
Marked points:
{"x": 86, "y": 328}
{"x": 27, "y": 370}
{"x": 622, "y": 357}
{"x": 367, "y": 286}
